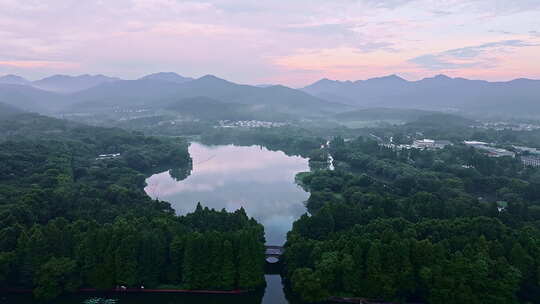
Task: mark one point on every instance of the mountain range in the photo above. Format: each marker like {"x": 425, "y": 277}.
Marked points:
{"x": 516, "y": 97}
{"x": 97, "y": 93}
{"x": 62, "y": 93}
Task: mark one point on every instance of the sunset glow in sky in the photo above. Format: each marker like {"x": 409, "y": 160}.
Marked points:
{"x": 293, "y": 42}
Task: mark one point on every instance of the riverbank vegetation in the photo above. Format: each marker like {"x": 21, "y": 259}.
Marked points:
{"x": 444, "y": 226}
{"x": 74, "y": 214}
{"x": 291, "y": 140}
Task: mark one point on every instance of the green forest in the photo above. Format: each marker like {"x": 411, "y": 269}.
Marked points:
{"x": 446, "y": 226}
{"x": 422, "y": 226}
{"x": 71, "y": 219}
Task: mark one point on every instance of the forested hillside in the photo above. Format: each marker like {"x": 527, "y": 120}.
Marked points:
{"x": 445, "y": 226}
{"x": 7, "y": 110}
{"x": 291, "y": 140}
{"x": 72, "y": 217}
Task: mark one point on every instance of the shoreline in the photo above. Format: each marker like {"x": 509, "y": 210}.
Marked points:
{"x": 135, "y": 290}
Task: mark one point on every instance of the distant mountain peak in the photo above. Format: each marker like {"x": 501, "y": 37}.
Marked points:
{"x": 13, "y": 79}
{"x": 390, "y": 77}
{"x": 440, "y": 77}
{"x": 11, "y": 76}
{"x": 278, "y": 87}
{"x": 528, "y": 80}
{"x": 210, "y": 76}
{"x": 387, "y": 79}
{"x": 211, "y": 79}
{"x": 393, "y": 76}
{"x": 325, "y": 81}
{"x": 167, "y": 76}
{"x": 68, "y": 83}
{"x": 76, "y": 77}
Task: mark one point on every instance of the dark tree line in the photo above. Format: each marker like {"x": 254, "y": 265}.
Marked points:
{"x": 154, "y": 252}
{"x": 291, "y": 140}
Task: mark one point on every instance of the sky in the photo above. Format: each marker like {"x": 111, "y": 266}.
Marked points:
{"x": 291, "y": 42}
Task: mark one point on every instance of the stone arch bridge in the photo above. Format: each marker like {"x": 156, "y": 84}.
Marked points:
{"x": 273, "y": 252}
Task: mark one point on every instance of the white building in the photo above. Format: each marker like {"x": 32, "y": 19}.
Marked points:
{"x": 108, "y": 156}
{"x": 430, "y": 144}
{"x": 475, "y": 143}
{"x": 489, "y": 150}
{"x": 531, "y": 161}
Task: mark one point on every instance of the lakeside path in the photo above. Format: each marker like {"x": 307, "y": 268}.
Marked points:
{"x": 139, "y": 290}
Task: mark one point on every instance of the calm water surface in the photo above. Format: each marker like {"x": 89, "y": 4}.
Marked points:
{"x": 231, "y": 177}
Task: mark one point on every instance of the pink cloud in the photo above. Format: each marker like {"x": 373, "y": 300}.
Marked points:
{"x": 250, "y": 41}
{"x": 28, "y": 64}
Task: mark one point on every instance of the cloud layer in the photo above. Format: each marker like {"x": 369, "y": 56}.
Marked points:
{"x": 263, "y": 41}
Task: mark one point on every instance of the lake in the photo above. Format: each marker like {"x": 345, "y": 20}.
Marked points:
{"x": 228, "y": 176}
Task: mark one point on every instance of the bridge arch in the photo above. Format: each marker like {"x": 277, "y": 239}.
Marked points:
{"x": 273, "y": 254}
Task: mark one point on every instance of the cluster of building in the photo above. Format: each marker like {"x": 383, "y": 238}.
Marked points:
{"x": 430, "y": 144}
{"x": 250, "y": 124}
{"x": 499, "y": 126}
{"x": 490, "y": 150}
{"x": 527, "y": 150}
{"x": 423, "y": 144}
{"x": 128, "y": 110}
{"x": 531, "y": 161}
{"x": 107, "y": 156}
{"x": 178, "y": 120}
{"x": 528, "y": 156}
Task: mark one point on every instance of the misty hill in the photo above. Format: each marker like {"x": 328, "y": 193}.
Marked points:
{"x": 167, "y": 76}
{"x": 206, "y": 108}
{"x": 8, "y": 110}
{"x": 442, "y": 120}
{"x": 517, "y": 97}
{"x": 126, "y": 93}
{"x": 383, "y": 114}
{"x": 440, "y": 125}
{"x": 158, "y": 94}
{"x": 13, "y": 79}
{"x": 278, "y": 98}
{"x": 30, "y": 99}
{"x": 70, "y": 84}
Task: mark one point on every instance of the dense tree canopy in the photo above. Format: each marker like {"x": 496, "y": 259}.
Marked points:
{"x": 71, "y": 219}
{"x": 446, "y": 226}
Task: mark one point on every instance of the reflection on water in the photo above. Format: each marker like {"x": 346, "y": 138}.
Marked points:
{"x": 274, "y": 290}
{"x": 231, "y": 177}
